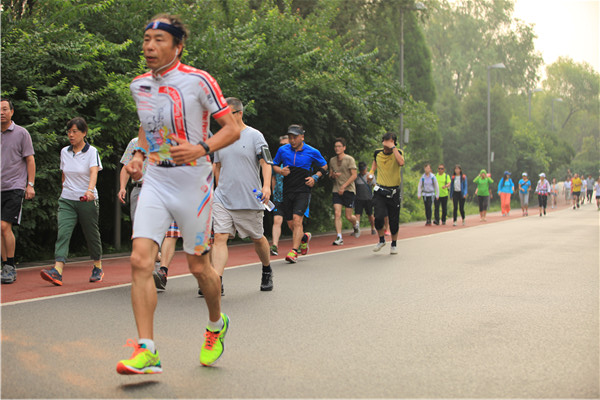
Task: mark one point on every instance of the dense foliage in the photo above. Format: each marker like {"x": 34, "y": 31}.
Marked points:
{"x": 61, "y": 59}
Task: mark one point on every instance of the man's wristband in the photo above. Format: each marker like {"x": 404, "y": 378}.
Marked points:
{"x": 205, "y": 146}
{"x": 315, "y": 177}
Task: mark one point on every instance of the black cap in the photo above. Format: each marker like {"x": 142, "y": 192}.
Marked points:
{"x": 295, "y": 130}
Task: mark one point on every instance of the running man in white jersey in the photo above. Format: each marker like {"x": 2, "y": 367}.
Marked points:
{"x": 174, "y": 103}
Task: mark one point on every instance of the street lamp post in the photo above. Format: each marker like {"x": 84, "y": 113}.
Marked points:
{"x": 489, "y": 130}
{"x": 418, "y": 6}
{"x": 553, "y": 100}
{"x": 529, "y": 95}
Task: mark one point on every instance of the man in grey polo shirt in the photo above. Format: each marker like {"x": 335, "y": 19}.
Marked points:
{"x": 236, "y": 207}
{"x": 18, "y": 179}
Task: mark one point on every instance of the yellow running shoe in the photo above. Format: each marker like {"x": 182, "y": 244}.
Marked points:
{"x": 304, "y": 243}
{"x": 214, "y": 344}
{"x": 142, "y": 361}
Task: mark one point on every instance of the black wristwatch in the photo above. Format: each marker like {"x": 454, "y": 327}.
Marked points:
{"x": 206, "y": 147}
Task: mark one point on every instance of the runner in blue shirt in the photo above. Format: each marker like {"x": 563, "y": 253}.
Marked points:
{"x": 298, "y": 160}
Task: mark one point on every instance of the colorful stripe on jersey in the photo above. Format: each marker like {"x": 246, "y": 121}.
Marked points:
{"x": 163, "y": 120}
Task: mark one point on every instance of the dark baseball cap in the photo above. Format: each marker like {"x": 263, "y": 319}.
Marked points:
{"x": 295, "y": 130}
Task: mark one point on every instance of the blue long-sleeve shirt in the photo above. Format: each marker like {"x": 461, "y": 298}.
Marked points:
{"x": 506, "y": 186}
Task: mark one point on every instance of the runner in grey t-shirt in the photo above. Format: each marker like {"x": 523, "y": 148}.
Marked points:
{"x": 238, "y": 174}
{"x": 236, "y": 208}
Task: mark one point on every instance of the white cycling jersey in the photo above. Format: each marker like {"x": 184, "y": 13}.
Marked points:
{"x": 178, "y": 102}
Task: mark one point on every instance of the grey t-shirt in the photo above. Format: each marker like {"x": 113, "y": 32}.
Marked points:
{"x": 16, "y": 145}
{"x": 240, "y": 169}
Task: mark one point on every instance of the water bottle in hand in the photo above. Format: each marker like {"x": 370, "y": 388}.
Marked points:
{"x": 269, "y": 206}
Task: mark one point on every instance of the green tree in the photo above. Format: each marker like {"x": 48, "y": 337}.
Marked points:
{"x": 466, "y": 36}
{"x": 53, "y": 72}
{"x": 472, "y": 137}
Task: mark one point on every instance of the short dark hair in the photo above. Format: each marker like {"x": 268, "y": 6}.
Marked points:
{"x": 79, "y": 122}
{"x": 10, "y": 104}
{"x": 235, "y": 104}
{"x": 176, "y": 21}
{"x": 388, "y": 136}
{"x": 362, "y": 165}
{"x": 341, "y": 140}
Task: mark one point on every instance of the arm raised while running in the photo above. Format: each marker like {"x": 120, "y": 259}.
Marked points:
{"x": 186, "y": 152}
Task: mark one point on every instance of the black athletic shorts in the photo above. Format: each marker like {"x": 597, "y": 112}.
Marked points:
{"x": 363, "y": 205}
{"x": 12, "y": 202}
{"x": 295, "y": 204}
{"x": 278, "y": 210}
{"x": 347, "y": 199}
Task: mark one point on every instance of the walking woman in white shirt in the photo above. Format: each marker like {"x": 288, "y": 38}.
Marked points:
{"x": 78, "y": 201}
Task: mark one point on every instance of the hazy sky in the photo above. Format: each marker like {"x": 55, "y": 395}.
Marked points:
{"x": 564, "y": 28}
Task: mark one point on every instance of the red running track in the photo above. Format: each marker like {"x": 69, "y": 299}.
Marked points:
{"x": 30, "y": 285}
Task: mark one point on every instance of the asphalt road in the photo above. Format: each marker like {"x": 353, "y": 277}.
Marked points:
{"x": 503, "y": 310}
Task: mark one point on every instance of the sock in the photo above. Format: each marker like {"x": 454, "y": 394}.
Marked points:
{"x": 267, "y": 268}
{"x": 296, "y": 250}
{"x": 216, "y": 326}
{"x": 59, "y": 267}
{"x": 304, "y": 238}
{"x": 147, "y": 344}
{"x": 381, "y": 239}
{"x": 10, "y": 261}
{"x": 3, "y": 262}
{"x": 394, "y": 243}
{"x": 98, "y": 264}
{"x": 339, "y": 235}
{"x": 165, "y": 269}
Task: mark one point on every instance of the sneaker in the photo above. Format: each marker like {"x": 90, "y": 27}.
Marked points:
{"x": 160, "y": 278}
{"x": 573, "y": 207}
{"x": 443, "y": 222}
{"x": 266, "y": 282}
{"x": 373, "y": 232}
{"x": 142, "y": 361}
{"x": 464, "y": 223}
{"x": 454, "y": 224}
{"x": 379, "y": 246}
{"x": 356, "y": 230}
{"x": 274, "y": 250}
{"x": 9, "y": 274}
{"x": 304, "y": 245}
{"x": 97, "y": 275}
{"x": 214, "y": 345}
{"x": 393, "y": 250}
{"x": 338, "y": 242}
{"x": 51, "y": 275}
{"x": 436, "y": 222}
{"x": 292, "y": 256}
{"x": 222, "y": 290}
{"x": 388, "y": 233}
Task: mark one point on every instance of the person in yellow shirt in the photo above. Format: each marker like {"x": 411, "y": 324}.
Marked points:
{"x": 387, "y": 161}
{"x": 576, "y": 190}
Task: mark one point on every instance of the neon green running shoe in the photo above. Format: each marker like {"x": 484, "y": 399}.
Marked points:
{"x": 303, "y": 248}
{"x": 142, "y": 361}
{"x": 214, "y": 344}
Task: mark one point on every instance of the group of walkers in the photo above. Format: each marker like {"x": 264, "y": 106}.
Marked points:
{"x": 206, "y": 188}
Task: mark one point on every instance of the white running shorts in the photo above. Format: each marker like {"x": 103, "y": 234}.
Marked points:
{"x": 183, "y": 194}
